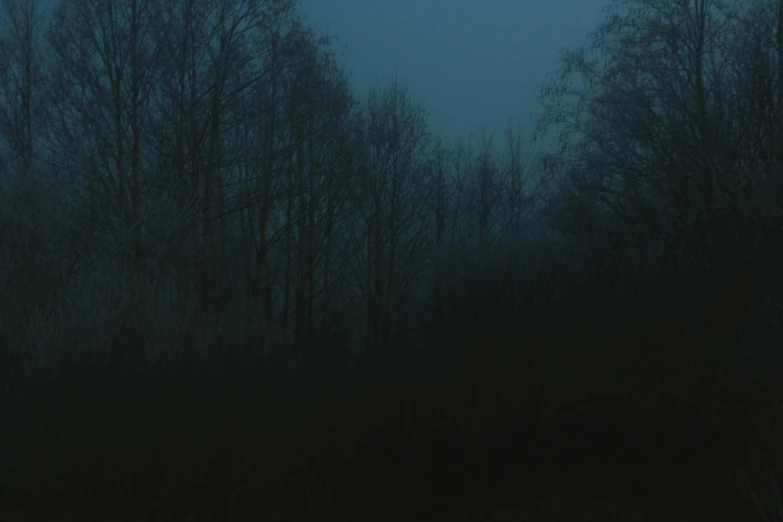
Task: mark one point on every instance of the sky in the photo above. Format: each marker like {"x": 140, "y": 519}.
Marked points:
{"x": 471, "y": 64}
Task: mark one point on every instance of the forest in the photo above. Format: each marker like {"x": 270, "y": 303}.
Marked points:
{"x": 232, "y": 288}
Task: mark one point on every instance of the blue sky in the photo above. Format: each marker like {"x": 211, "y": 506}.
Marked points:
{"x": 469, "y": 63}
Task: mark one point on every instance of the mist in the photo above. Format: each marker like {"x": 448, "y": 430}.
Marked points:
{"x": 332, "y": 260}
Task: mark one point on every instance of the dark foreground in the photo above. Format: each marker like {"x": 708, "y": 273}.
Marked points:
{"x": 227, "y": 441}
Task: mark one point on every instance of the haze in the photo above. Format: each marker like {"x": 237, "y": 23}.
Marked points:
{"x": 469, "y": 63}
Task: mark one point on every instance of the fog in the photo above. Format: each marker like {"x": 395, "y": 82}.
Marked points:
{"x": 284, "y": 260}
{"x": 471, "y": 64}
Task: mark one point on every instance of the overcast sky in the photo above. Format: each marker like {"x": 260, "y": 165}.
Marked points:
{"x": 467, "y": 62}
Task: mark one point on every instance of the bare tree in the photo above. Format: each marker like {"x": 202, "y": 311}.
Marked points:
{"x": 669, "y": 120}
{"x": 107, "y": 69}
{"x": 643, "y": 109}
{"x": 21, "y": 82}
{"x": 315, "y": 187}
{"x": 393, "y": 225}
{"x": 461, "y": 160}
{"x": 517, "y": 177}
{"x": 210, "y": 49}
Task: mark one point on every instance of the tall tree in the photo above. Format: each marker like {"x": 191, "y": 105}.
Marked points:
{"x": 107, "y": 69}
{"x": 393, "y": 225}
{"x": 517, "y": 176}
{"x": 21, "y": 82}
{"x": 643, "y": 109}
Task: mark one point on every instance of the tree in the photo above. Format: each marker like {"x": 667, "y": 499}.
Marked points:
{"x": 21, "y": 83}
{"x": 517, "y": 174}
{"x": 668, "y": 120}
{"x": 106, "y": 73}
{"x": 644, "y": 108}
{"x": 316, "y": 186}
{"x": 392, "y": 220}
{"x": 486, "y": 188}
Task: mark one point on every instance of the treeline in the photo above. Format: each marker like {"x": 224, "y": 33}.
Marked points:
{"x": 222, "y": 270}
{"x": 215, "y": 155}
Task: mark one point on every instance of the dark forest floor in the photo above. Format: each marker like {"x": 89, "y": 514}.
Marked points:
{"x": 402, "y": 448}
